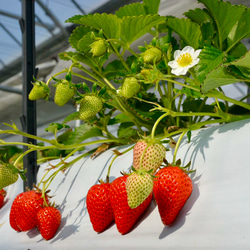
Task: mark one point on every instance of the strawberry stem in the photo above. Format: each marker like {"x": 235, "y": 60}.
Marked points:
{"x": 111, "y": 163}
{"x": 178, "y": 145}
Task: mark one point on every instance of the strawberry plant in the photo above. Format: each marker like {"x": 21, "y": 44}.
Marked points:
{"x": 150, "y": 94}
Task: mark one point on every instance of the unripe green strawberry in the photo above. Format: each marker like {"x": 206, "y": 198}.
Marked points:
{"x": 148, "y": 156}
{"x": 139, "y": 185}
{"x": 130, "y": 87}
{"x": 98, "y": 48}
{"x": 8, "y": 175}
{"x": 90, "y": 105}
{"x": 64, "y": 92}
{"x": 152, "y": 55}
{"x": 39, "y": 91}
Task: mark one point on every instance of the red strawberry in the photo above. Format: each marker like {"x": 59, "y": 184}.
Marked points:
{"x": 148, "y": 155}
{"x": 48, "y": 221}
{"x": 24, "y": 209}
{"x": 172, "y": 188}
{"x": 99, "y": 207}
{"x": 125, "y": 217}
{"x": 2, "y": 195}
{"x": 14, "y": 211}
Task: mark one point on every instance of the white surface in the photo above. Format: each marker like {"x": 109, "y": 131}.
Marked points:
{"x": 216, "y": 216}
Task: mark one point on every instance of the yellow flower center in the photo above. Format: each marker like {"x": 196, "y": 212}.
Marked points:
{"x": 185, "y": 60}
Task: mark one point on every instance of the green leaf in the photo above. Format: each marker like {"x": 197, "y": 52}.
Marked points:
{"x": 82, "y": 133}
{"x": 207, "y": 30}
{"x": 108, "y": 23}
{"x": 77, "y": 34}
{"x": 134, "y": 9}
{"x": 137, "y": 9}
{"x": 151, "y": 7}
{"x": 189, "y": 134}
{"x": 210, "y": 58}
{"x": 238, "y": 50}
{"x": 189, "y": 92}
{"x": 115, "y": 68}
{"x": 74, "y": 19}
{"x": 133, "y": 28}
{"x": 240, "y": 30}
{"x": 188, "y": 31}
{"x": 125, "y": 130}
{"x": 198, "y": 16}
{"x": 218, "y": 78}
{"x": 196, "y": 106}
{"x": 83, "y": 44}
{"x": 224, "y": 15}
{"x": 242, "y": 62}
{"x": 54, "y": 127}
{"x": 120, "y": 118}
{"x": 71, "y": 117}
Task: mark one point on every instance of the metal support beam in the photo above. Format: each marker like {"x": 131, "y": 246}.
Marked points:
{"x": 29, "y": 107}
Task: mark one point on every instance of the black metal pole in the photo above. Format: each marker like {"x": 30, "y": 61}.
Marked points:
{"x": 29, "y": 107}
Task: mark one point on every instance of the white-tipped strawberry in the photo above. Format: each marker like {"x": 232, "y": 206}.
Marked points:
{"x": 148, "y": 155}
{"x": 139, "y": 185}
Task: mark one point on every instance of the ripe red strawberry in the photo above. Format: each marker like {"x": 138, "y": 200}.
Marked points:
{"x": 14, "y": 211}
{"x": 2, "y": 195}
{"x": 65, "y": 90}
{"x": 125, "y": 217}
{"x": 8, "y": 175}
{"x": 148, "y": 155}
{"x": 98, "y": 47}
{"x": 130, "y": 87}
{"x": 139, "y": 185}
{"x": 24, "y": 210}
{"x": 152, "y": 55}
{"x": 172, "y": 188}
{"x": 39, "y": 91}
{"x": 90, "y": 105}
{"x": 48, "y": 221}
{"x": 99, "y": 208}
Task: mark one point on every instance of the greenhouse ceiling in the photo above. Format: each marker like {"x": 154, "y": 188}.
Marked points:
{"x": 51, "y": 30}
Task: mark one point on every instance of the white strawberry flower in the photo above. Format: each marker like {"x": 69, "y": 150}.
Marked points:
{"x": 184, "y": 60}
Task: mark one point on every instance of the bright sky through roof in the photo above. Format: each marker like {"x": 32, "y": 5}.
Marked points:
{"x": 10, "y": 44}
